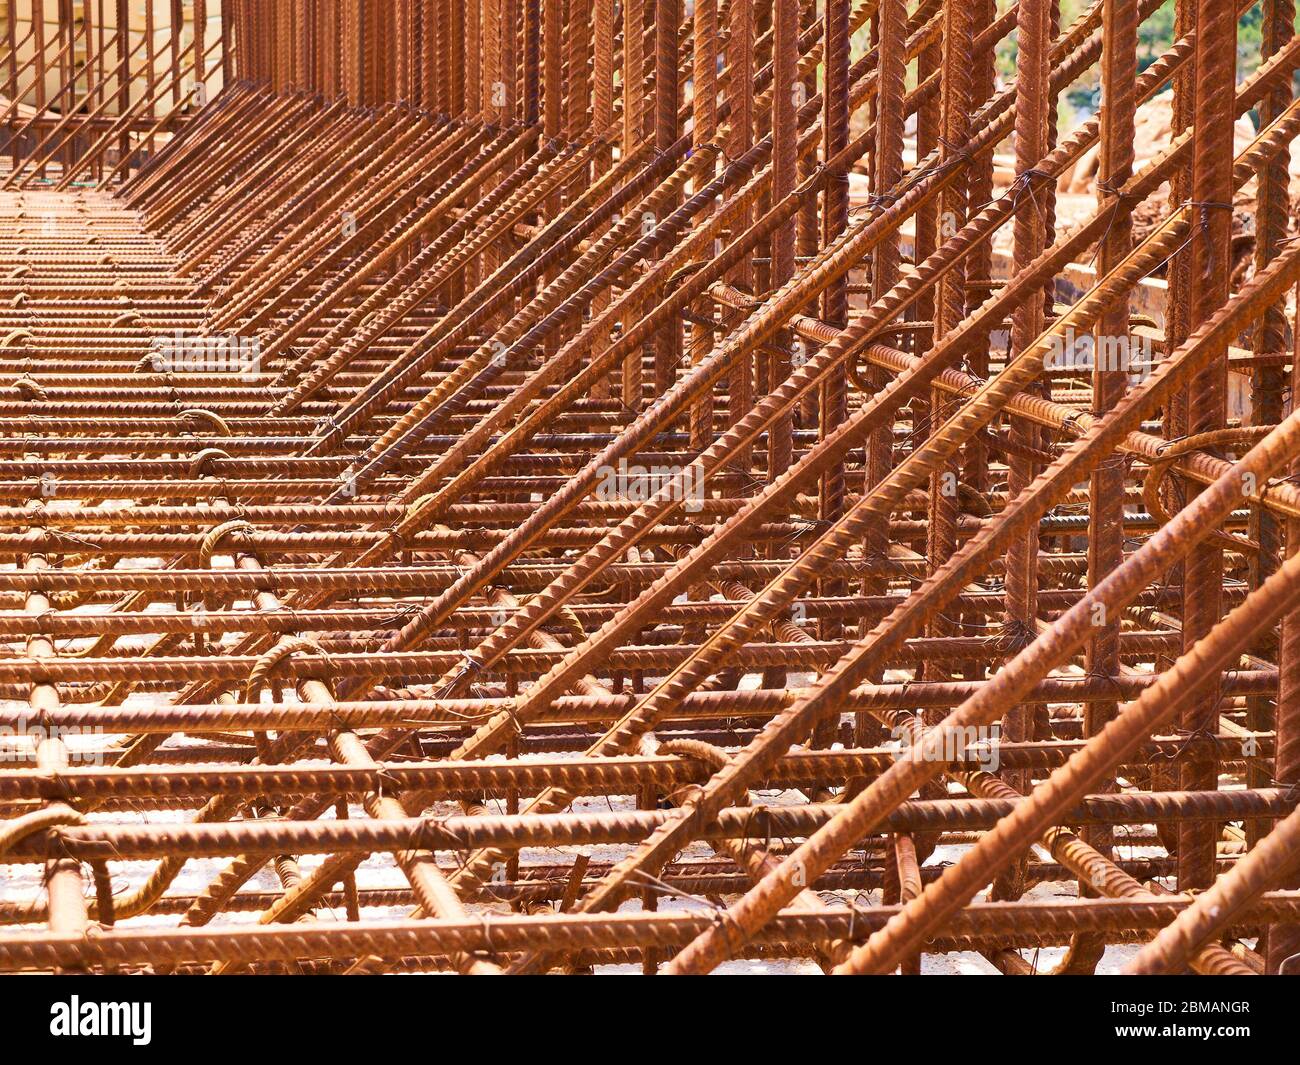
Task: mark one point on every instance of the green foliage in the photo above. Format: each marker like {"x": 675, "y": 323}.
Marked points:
{"x": 1155, "y": 36}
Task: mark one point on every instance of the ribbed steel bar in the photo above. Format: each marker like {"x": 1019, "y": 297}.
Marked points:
{"x": 790, "y": 445}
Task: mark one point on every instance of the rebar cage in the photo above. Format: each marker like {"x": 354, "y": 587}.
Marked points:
{"x": 556, "y": 484}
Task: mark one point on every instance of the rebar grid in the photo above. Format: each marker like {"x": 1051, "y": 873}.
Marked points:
{"x": 700, "y": 461}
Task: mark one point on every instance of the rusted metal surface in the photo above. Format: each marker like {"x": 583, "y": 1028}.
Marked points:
{"x": 559, "y": 484}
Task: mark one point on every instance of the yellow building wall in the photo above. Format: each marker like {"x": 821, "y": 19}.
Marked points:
{"x": 105, "y": 14}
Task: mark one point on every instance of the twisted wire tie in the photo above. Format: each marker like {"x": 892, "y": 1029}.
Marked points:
{"x": 469, "y": 665}
{"x": 1290, "y": 789}
{"x": 1120, "y": 200}
{"x": 1108, "y": 678}
{"x": 1190, "y": 737}
{"x": 1016, "y": 635}
{"x": 69, "y": 538}
{"x": 756, "y": 811}
{"x": 398, "y": 531}
{"x": 1022, "y": 183}
{"x": 650, "y": 882}
{"x": 485, "y": 920}
{"x": 336, "y": 719}
{"x": 382, "y": 777}
{"x": 326, "y": 428}
{"x": 852, "y": 935}
{"x": 1203, "y": 208}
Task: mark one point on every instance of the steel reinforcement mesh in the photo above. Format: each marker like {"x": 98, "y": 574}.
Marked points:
{"x": 540, "y": 485}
